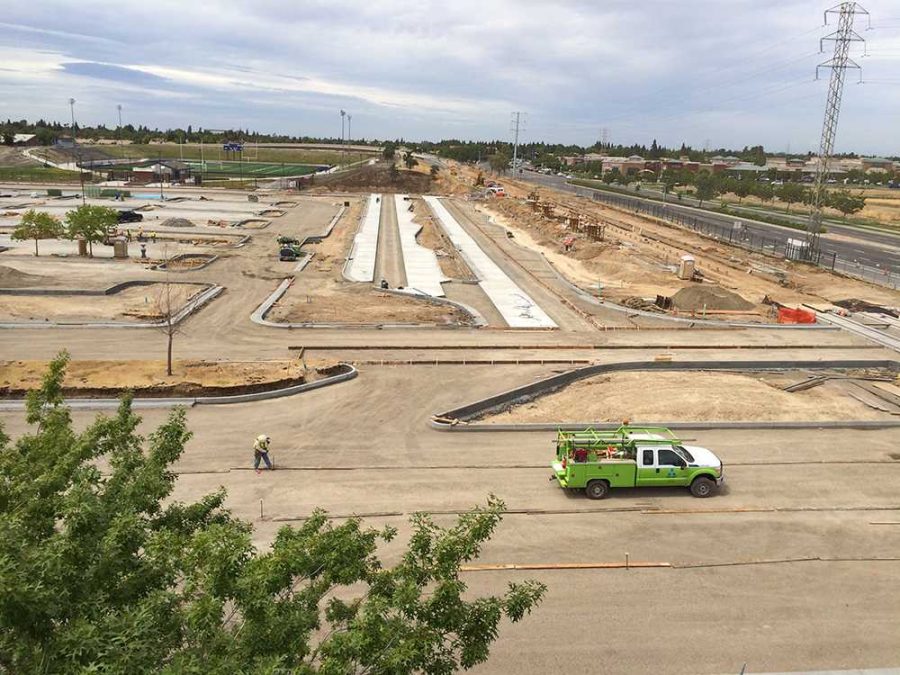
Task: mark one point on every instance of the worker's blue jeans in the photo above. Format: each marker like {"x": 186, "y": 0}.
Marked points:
{"x": 264, "y": 456}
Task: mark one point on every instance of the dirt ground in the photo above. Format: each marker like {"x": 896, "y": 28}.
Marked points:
{"x": 320, "y": 294}
{"x": 373, "y": 178}
{"x": 687, "y": 396}
{"x": 433, "y": 237}
{"x": 142, "y": 303}
{"x": 86, "y": 378}
{"x": 333, "y": 301}
{"x": 639, "y": 254}
{"x": 10, "y": 277}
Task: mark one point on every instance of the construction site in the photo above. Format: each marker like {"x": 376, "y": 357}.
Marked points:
{"x": 411, "y": 344}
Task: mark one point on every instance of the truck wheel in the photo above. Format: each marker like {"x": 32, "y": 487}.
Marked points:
{"x": 702, "y": 487}
{"x": 597, "y": 489}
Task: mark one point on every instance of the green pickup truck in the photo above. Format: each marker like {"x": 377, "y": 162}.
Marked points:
{"x": 596, "y": 461}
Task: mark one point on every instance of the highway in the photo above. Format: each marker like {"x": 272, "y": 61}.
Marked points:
{"x": 872, "y": 252}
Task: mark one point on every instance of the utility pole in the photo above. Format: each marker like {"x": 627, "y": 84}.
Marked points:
{"x": 349, "y": 119}
{"x": 517, "y": 120}
{"x": 838, "y": 63}
{"x": 119, "y": 108}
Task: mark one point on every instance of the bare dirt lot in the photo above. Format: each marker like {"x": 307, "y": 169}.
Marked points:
{"x": 320, "y": 294}
{"x": 373, "y": 178}
{"x": 689, "y": 396}
{"x": 343, "y": 302}
{"x": 142, "y": 303}
{"x": 638, "y": 255}
{"x": 433, "y": 237}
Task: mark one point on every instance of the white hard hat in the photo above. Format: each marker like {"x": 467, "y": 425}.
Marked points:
{"x": 262, "y": 438}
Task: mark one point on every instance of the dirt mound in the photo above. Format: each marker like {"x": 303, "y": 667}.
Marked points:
{"x": 711, "y": 297}
{"x": 176, "y": 222}
{"x": 10, "y": 277}
{"x": 376, "y": 178}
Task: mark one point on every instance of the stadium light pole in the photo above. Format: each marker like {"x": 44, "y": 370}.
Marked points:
{"x": 343, "y": 114}
{"x": 72, "y": 110}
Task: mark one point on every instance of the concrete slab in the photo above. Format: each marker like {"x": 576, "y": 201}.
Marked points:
{"x": 361, "y": 263}
{"x": 423, "y": 272}
{"x": 518, "y": 309}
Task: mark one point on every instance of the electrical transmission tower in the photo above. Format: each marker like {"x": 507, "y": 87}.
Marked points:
{"x": 516, "y": 122}
{"x": 838, "y": 63}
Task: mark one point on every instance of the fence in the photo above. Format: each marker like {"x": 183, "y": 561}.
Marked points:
{"x": 741, "y": 236}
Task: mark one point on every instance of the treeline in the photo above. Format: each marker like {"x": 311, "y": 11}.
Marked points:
{"x": 708, "y": 186}
{"x": 48, "y": 132}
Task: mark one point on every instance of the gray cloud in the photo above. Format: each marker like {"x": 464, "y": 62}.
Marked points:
{"x": 730, "y": 73}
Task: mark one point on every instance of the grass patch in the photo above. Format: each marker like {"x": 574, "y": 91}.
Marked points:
{"x": 38, "y": 174}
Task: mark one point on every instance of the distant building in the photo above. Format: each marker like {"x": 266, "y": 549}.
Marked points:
{"x": 64, "y": 142}
{"x": 876, "y": 164}
{"x": 166, "y": 171}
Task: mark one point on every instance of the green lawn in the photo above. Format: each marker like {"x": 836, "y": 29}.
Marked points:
{"x": 38, "y": 174}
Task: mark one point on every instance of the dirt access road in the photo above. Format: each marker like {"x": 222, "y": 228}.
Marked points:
{"x": 341, "y": 448}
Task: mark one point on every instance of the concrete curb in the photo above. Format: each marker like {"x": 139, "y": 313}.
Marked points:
{"x": 192, "y": 306}
{"x": 349, "y": 372}
{"x": 444, "y": 420}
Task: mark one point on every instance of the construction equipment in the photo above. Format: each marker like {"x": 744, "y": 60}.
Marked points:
{"x": 597, "y": 461}
{"x": 289, "y": 248}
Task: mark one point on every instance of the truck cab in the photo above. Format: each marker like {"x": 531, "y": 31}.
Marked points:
{"x": 597, "y": 461}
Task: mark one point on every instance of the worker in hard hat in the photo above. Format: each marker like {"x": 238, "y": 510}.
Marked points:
{"x": 261, "y": 452}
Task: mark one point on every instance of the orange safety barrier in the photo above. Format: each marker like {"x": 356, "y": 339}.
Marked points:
{"x": 788, "y": 315}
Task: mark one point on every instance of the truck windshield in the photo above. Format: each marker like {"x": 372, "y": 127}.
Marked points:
{"x": 684, "y": 453}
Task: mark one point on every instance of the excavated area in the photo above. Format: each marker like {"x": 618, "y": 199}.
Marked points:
{"x": 691, "y": 397}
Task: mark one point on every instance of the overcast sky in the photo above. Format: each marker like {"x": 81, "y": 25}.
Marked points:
{"x": 718, "y": 72}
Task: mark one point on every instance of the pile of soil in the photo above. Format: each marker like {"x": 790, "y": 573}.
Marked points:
{"x": 696, "y": 298}
{"x": 176, "y": 222}
{"x": 374, "y": 178}
{"x": 10, "y": 277}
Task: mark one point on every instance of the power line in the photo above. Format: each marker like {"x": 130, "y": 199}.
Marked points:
{"x": 838, "y": 63}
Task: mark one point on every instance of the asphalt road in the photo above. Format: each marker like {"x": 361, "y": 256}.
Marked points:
{"x": 876, "y": 250}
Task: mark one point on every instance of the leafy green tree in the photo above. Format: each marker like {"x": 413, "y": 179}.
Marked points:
{"x": 8, "y": 138}
{"x": 706, "y": 187}
{"x": 740, "y": 189}
{"x": 434, "y": 170}
{"x": 90, "y": 223}
{"x": 846, "y": 202}
{"x": 100, "y": 571}
{"x": 612, "y": 176}
{"x": 499, "y": 162}
{"x": 791, "y": 193}
{"x": 409, "y": 160}
{"x": 764, "y": 191}
{"x": 37, "y": 225}
{"x": 390, "y": 149}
